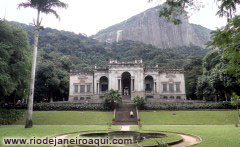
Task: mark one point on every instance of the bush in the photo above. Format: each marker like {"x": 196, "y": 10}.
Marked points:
{"x": 9, "y": 116}
{"x": 68, "y": 107}
{"x": 139, "y": 102}
{"x": 111, "y": 99}
{"x": 188, "y": 106}
{"x": 62, "y": 107}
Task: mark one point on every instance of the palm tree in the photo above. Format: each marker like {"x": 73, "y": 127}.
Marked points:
{"x": 42, "y": 6}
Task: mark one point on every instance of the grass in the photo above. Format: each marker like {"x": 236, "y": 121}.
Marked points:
{"x": 10, "y": 116}
{"x": 188, "y": 117}
{"x": 212, "y": 135}
{"x": 147, "y": 142}
{"x": 69, "y": 118}
{"x": 216, "y": 128}
{"x": 18, "y": 131}
{"x": 153, "y": 141}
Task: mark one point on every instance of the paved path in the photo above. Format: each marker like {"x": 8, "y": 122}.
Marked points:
{"x": 188, "y": 140}
{"x": 125, "y": 128}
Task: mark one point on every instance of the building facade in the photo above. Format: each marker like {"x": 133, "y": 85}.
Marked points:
{"x": 130, "y": 79}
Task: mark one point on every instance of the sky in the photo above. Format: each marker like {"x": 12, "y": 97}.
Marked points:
{"x": 90, "y": 16}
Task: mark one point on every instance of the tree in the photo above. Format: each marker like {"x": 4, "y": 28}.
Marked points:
{"x": 42, "y": 6}
{"x": 193, "y": 70}
{"x": 226, "y": 41}
{"x": 139, "y": 102}
{"x": 173, "y": 10}
{"x": 112, "y": 98}
{"x": 235, "y": 99}
{"x": 15, "y": 63}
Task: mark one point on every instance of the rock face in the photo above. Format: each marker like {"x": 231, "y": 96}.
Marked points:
{"x": 149, "y": 28}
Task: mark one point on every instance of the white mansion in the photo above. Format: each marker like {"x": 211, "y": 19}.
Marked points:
{"x": 130, "y": 79}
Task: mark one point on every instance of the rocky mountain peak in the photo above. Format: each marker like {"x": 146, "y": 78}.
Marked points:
{"x": 149, "y": 28}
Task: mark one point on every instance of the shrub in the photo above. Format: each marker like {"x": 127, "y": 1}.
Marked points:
{"x": 187, "y": 106}
{"x": 139, "y": 102}
{"x": 9, "y": 116}
{"x": 111, "y": 99}
{"x": 68, "y": 107}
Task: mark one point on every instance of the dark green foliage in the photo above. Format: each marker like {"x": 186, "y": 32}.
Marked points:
{"x": 169, "y": 58}
{"x": 52, "y": 77}
{"x": 111, "y": 99}
{"x": 222, "y": 65}
{"x": 188, "y": 106}
{"x": 61, "y": 107}
{"x": 139, "y": 102}
{"x": 68, "y": 107}
{"x": 193, "y": 71}
{"x": 15, "y": 59}
{"x": 9, "y": 116}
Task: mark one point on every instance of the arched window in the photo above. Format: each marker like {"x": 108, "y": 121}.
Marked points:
{"x": 178, "y": 97}
{"x": 165, "y": 97}
{"x": 103, "y": 84}
{"x": 171, "y": 97}
{"x": 149, "y": 87}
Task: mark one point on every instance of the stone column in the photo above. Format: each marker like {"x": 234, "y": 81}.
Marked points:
{"x": 133, "y": 86}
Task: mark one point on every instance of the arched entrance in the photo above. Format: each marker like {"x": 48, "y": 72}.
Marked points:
{"x": 149, "y": 87}
{"x": 103, "y": 84}
{"x": 126, "y": 83}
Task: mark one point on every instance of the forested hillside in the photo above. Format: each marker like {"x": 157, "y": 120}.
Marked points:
{"x": 61, "y": 51}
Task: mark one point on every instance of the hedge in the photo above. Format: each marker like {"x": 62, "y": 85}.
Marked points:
{"x": 63, "y": 107}
{"x": 9, "y": 116}
{"x": 187, "y": 106}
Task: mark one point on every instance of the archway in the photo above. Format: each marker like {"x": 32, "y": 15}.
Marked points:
{"x": 103, "y": 84}
{"x": 126, "y": 83}
{"x": 149, "y": 87}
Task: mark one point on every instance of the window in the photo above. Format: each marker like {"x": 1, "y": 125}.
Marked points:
{"x": 119, "y": 84}
{"x": 133, "y": 85}
{"x": 178, "y": 97}
{"x": 81, "y": 98}
{"x": 164, "y": 87}
{"x": 171, "y": 88}
{"x": 75, "y": 98}
{"x": 97, "y": 87}
{"x": 165, "y": 97}
{"x": 82, "y": 88}
{"x": 88, "y": 88}
{"x": 75, "y": 88}
{"x": 148, "y": 87}
{"x": 171, "y": 97}
{"x": 178, "y": 87}
{"x": 88, "y": 98}
{"x": 155, "y": 86}
{"x": 104, "y": 87}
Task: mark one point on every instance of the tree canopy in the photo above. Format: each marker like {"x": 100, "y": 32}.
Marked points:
{"x": 15, "y": 63}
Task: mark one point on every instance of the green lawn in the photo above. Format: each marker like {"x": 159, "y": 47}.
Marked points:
{"x": 212, "y": 135}
{"x": 188, "y": 117}
{"x": 18, "y": 131}
{"x": 153, "y": 141}
{"x": 217, "y": 129}
{"x": 69, "y": 118}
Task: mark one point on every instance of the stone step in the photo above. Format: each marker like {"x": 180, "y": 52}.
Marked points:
{"x": 123, "y": 114}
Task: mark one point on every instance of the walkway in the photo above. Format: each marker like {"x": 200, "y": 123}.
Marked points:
{"x": 123, "y": 113}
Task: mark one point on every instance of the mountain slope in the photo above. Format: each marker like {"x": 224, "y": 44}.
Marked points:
{"x": 149, "y": 28}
